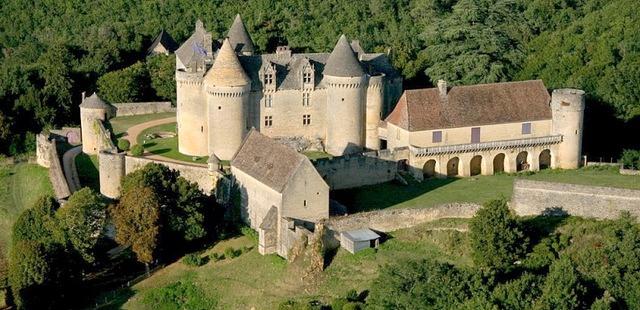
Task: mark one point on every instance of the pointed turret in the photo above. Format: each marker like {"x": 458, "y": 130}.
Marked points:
{"x": 226, "y": 70}
{"x": 343, "y": 62}
{"x": 239, "y": 37}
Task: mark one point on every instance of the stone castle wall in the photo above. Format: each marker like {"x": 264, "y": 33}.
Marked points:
{"x": 535, "y": 197}
{"x": 56, "y": 174}
{"x": 199, "y": 174}
{"x": 43, "y": 151}
{"x": 138, "y": 108}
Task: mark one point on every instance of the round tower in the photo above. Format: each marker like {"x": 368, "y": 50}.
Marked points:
{"x": 191, "y": 113}
{"x": 227, "y": 87}
{"x": 111, "y": 168}
{"x": 346, "y": 93}
{"x": 375, "y": 101}
{"x": 92, "y": 108}
{"x": 567, "y": 108}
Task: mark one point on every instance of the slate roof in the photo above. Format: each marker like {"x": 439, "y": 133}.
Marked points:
{"x": 165, "y": 40}
{"x": 343, "y": 61}
{"x": 197, "y": 47}
{"x": 361, "y": 235}
{"x": 239, "y": 37}
{"x": 267, "y": 160}
{"x": 226, "y": 69}
{"x": 94, "y": 102}
{"x": 475, "y": 105}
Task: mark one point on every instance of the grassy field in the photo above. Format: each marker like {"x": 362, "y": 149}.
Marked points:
{"x": 167, "y": 147}
{"x": 87, "y": 166}
{"x": 120, "y": 125}
{"x": 475, "y": 189}
{"x": 317, "y": 155}
{"x": 20, "y": 185}
{"x": 263, "y": 282}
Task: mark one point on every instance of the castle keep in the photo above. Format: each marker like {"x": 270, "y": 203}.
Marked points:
{"x": 224, "y": 89}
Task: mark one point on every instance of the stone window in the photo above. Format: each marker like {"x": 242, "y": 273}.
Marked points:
{"x": 306, "y": 77}
{"x": 305, "y": 99}
{"x": 475, "y": 135}
{"x": 268, "y": 100}
{"x": 526, "y": 128}
{"x": 436, "y": 137}
{"x": 306, "y": 119}
{"x": 268, "y": 78}
{"x": 268, "y": 121}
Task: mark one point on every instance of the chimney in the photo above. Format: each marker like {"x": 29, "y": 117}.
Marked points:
{"x": 442, "y": 89}
{"x": 283, "y": 51}
{"x": 83, "y": 95}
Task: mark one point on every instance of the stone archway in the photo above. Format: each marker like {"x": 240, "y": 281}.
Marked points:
{"x": 475, "y": 165}
{"x": 521, "y": 161}
{"x": 429, "y": 169}
{"x": 545, "y": 159}
{"x": 452, "y": 167}
{"x": 498, "y": 163}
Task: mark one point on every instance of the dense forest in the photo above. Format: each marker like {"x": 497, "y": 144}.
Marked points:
{"x": 53, "y": 50}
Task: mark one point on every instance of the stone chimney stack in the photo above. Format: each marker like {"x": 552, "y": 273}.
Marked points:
{"x": 442, "y": 89}
{"x": 283, "y": 51}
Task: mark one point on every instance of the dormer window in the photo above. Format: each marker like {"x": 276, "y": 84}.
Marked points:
{"x": 306, "y": 78}
{"x": 268, "y": 78}
{"x": 307, "y": 74}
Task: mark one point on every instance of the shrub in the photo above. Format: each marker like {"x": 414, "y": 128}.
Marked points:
{"x": 217, "y": 257}
{"x": 194, "y": 260}
{"x": 249, "y": 233}
{"x": 232, "y": 253}
{"x": 124, "y": 145}
{"x": 137, "y": 150}
{"x": 179, "y": 295}
{"x": 631, "y": 159}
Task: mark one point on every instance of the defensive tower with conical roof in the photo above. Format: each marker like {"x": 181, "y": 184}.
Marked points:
{"x": 92, "y": 109}
{"x": 239, "y": 37}
{"x": 346, "y": 84}
{"x": 227, "y": 87}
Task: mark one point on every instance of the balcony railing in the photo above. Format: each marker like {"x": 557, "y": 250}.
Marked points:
{"x": 485, "y": 146}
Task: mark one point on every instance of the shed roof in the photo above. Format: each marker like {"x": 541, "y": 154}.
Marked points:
{"x": 361, "y": 235}
{"x": 343, "y": 61}
{"x": 475, "y": 105}
{"x": 267, "y": 160}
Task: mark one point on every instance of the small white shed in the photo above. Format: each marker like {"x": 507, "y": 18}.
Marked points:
{"x": 357, "y": 240}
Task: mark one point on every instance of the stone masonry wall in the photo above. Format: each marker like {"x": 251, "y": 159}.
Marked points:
{"x": 56, "y": 174}
{"x": 138, "y": 108}
{"x": 535, "y": 197}
{"x": 394, "y": 219}
{"x": 199, "y": 174}
{"x": 351, "y": 171}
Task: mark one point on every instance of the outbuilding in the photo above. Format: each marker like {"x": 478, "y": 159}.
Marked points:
{"x": 358, "y": 240}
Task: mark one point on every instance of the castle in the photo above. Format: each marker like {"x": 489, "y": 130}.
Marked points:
{"x": 336, "y": 99}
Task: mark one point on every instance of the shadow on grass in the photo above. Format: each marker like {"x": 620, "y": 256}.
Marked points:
{"x": 114, "y": 299}
{"x": 149, "y": 144}
{"x": 382, "y": 196}
{"x": 160, "y": 151}
{"x": 88, "y": 171}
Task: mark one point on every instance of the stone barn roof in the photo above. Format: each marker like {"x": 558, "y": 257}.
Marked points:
{"x": 475, "y": 105}
{"x": 267, "y": 160}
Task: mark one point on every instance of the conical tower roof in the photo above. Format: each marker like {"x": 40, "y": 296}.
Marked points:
{"x": 239, "y": 37}
{"x": 94, "y": 102}
{"x": 226, "y": 69}
{"x": 343, "y": 62}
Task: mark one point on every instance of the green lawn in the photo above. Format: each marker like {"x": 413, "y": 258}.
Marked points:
{"x": 263, "y": 282}
{"x": 87, "y": 166}
{"x": 167, "y": 147}
{"x": 20, "y": 185}
{"x": 312, "y": 155}
{"x": 120, "y": 125}
{"x": 475, "y": 189}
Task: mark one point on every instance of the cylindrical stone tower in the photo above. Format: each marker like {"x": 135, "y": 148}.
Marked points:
{"x": 567, "y": 108}
{"x": 91, "y": 109}
{"x": 191, "y": 113}
{"x": 346, "y": 95}
{"x": 375, "y": 101}
{"x": 111, "y": 168}
{"x": 227, "y": 87}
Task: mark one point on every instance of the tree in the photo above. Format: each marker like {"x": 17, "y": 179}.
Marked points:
{"x": 137, "y": 221}
{"x": 162, "y": 71}
{"x": 83, "y": 218}
{"x": 38, "y": 223}
{"x": 126, "y": 85}
{"x": 496, "y": 237}
{"x": 562, "y": 289}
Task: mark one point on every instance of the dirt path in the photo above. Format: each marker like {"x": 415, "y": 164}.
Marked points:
{"x": 132, "y": 132}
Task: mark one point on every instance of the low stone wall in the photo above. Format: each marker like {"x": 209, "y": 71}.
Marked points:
{"x": 138, "y": 108}
{"x": 56, "y": 174}
{"x": 394, "y": 219}
{"x": 199, "y": 174}
{"x": 535, "y": 197}
{"x": 43, "y": 150}
{"x": 357, "y": 170}
{"x": 629, "y": 172}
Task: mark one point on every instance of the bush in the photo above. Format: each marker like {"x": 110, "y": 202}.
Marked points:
{"x": 179, "y": 295}
{"x": 194, "y": 260}
{"x": 232, "y": 253}
{"x": 217, "y": 257}
{"x": 249, "y": 233}
{"x": 631, "y": 159}
{"x": 137, "y": 150}
{"x": 124, "y": 145}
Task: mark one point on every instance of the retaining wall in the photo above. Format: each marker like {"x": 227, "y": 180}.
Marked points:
{"x": 138, "y": 108}
{"x": 199, "y": 174}
{"x": 536, "y": 197}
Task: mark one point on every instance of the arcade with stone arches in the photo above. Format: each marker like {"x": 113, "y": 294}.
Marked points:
{"x": 486, "y": 162}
